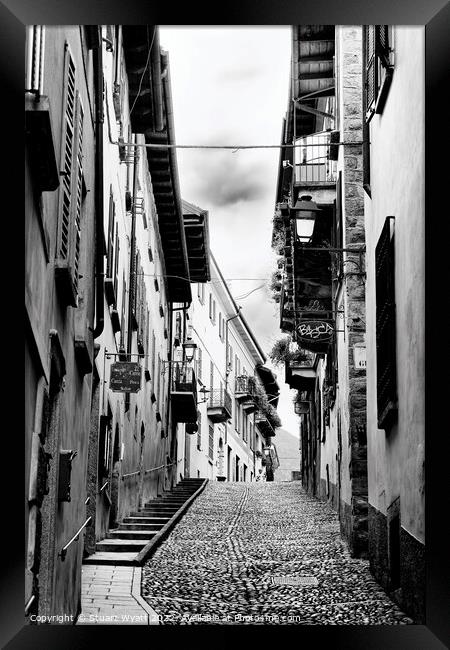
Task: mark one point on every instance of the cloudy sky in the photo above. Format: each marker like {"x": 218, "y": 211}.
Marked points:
{"x": 230, "y": 87}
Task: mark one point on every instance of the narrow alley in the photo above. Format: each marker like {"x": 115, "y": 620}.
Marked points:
{"x": 262, "y": 553}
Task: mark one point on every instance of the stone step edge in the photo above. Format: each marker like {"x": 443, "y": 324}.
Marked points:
{"x": 153, "y": 544}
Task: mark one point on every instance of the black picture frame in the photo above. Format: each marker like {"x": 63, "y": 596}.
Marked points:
{"x": 435, "y": 15}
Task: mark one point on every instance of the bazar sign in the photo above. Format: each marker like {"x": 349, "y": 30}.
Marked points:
{"x": 315, "y": 330}
{"x": 125, "y": 377}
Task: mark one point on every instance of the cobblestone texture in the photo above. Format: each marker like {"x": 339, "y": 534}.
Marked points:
{"x": 217, "y": 565}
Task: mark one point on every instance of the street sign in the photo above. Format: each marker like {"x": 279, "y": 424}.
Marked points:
{"x": 314, "y": 331}
{"x": 125, "y": 377}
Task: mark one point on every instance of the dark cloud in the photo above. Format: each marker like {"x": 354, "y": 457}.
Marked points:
{"x": 224, "y": 180}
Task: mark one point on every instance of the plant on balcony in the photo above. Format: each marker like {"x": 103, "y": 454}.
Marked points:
{"x": 285, "y": 349}
{"x": 273, "y": 417}
{"x": 278, "y": 237}
{"x": 276, "y": 284}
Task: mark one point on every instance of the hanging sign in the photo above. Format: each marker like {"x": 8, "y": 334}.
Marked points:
{"x": 125, "y": 377}
{"x": 314, "y": 331}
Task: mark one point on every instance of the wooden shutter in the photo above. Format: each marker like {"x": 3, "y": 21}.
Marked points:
{"x": 199, "y": 363}
{"x": 68, "y": 141}
{"x": 385, "y": 326}
{"x": 76, "y": 233}
{"x": 382, "y": 43}
{"x": 116, "y": 261}
{"x": 110, "y": 242}
{"x": 370, "y": 67}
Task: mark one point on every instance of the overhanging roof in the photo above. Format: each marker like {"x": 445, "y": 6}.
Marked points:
{"x": 152, "y": 115}
{"x": 196, "y": 229}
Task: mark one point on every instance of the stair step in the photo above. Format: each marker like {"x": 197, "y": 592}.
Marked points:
{"x": 154, "y": 509}
{"x": 145, "y": 535}
{"x": 121, "y": 559}
{"x": 152, "y": 528}
{"x": 139, "y": 519}
{"x": 111, "y": 544}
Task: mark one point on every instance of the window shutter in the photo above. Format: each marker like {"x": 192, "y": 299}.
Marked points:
{"x": 199, "y": 363}
{"x": 67, "y": 156}
{"x": 385, "y": 326}
{"x": 116, "y": 261}
{"x": 110, "y": 243}
{"x": 382, "y": 43}
{"x": 371, "y": 68}
{"x": 78, "y": 192}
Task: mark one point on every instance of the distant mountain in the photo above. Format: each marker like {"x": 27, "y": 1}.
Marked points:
{"x": 288, "y": 455}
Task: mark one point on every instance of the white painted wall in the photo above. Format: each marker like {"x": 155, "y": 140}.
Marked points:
{"x": 396, "y": 463}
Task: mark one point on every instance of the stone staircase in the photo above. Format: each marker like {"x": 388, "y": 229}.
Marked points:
{"x": 131, "y": 542}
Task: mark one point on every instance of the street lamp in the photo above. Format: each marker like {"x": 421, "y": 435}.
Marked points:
{"x": 304, "y": 212}
{"x": 189, "y": 348}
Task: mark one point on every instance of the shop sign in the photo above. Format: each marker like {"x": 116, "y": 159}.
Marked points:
{"x": 314, "y": 331}
{"x": 125, "y": 377}
{"x": 359, "y": 356}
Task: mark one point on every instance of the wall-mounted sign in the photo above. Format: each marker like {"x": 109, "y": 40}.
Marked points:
{"x": 318, "y": 331}
{"x": 359, "y": 356}
{"x": 125, "y": 377}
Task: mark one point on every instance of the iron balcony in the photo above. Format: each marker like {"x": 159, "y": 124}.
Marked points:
{"x": 183, "y": 392}
{"x": 219, "y": 405}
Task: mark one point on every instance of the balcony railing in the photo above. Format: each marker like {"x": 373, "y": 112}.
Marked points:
{"x": 244, "y": 386}
{"x": 312, "y": 163}
{"x": 183, "y": 392}
{"x": 183, "y": 377}
{"x": 220, "y": 398}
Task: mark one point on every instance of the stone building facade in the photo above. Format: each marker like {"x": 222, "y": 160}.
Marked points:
{"x": 322, "y": 270}
{"x": 361, "y": 392}
{"x": 394, "y": 172}
{"x": 233, "y": 436}
{"x": 61, "y": 189}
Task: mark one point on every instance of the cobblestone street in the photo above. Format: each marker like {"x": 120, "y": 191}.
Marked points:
{"x": 227, "y": 560}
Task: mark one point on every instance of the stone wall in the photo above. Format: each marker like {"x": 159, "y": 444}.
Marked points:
{"x": 354, "y": 302}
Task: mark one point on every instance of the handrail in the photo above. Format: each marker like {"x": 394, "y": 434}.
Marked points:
{"x": 153, "y": 469}
{"x": 103, "y": 487}
{"x": 124, "y": 476}
{"x": 29, "y": 603}
{"x": 63, "y": 551}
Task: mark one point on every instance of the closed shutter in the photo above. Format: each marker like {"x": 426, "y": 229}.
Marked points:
{"x": 371, "y": 67}
{"x": 110, "y": 242}
{"x": 68, "y": 140}
{"x": 199, "y": 363}
{"x": 116, "y": 261}
{"x": 211, "y": 441}
{"x": 78, "y": 192}
{"x": 385, "y": 326}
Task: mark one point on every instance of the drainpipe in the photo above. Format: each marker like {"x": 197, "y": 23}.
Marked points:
{"x": 99, "y": 200}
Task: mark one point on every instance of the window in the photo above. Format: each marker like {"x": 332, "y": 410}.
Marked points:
{"x": 72, "y": 188}
{"x": 237, "y": 366}
{"x": 199, "y": 431}
{"x": 153, "y": 359}
{"x": 112, "y": 254}
{"x": 211, "y": 378}
{"x": 385, "y": 326}
{"x": 201, "y": 293}
{"x": 35, "y": 58}
{"x": 378, "y": 66}
{"x": 122, "y": 318}
{"x": 244, "y": 427}
{"x": 211, "y": 442}
{"x": 220, "y": 325}
{"x": 230, "y": 357}
{"x": 212, "y": 309}
{"x": 199, "y": 363}
{"x": 251, "y": 436}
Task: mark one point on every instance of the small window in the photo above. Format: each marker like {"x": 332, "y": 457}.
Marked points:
{"x": 211, "y": 442}
{"x": 199, "y": 431}
{"x": 378, "y": 66}
{"x": 385, "y": 326}
{"x": 199, "y": 363}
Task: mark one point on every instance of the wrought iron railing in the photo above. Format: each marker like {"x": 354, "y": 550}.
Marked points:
{"x": 244, "y": 385}
{"x": 220, "y": 398}
{"x": 312, "y": 163}
{"x": 183, "y": 377}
